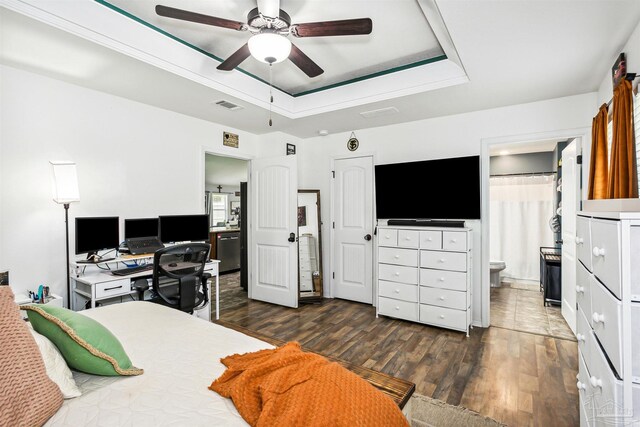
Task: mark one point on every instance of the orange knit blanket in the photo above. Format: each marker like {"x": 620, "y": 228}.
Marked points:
{"x": 288, "y": 387}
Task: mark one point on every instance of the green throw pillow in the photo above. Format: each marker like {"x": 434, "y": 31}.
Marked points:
{"x": 85, "y": 344}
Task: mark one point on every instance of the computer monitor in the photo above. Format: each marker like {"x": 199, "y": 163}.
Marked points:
{"x": 184, "y": 228}
{"x": 94, "y": 234}
{"x": 140, "y": 227}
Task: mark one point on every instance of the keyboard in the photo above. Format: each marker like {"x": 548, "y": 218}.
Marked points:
{"x": 132, "y": 270}
{"x": 143, "y": 245}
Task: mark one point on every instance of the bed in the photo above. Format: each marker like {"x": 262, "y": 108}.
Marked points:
{"x": 180, "y": 355}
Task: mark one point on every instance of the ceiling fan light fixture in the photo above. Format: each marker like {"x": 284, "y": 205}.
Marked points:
{"x": 269, "y": 48}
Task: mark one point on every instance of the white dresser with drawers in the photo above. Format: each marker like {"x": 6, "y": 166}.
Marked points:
{"x": 608, "y": 317}
{"x": 424, "y": 275}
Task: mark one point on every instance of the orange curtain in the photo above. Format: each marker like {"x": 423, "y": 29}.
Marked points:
{"x": 623, "y": 178}
{"x": 598, "y": 171}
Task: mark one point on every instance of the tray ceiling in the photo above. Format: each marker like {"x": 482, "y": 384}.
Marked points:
{"x": 401, "y": 38}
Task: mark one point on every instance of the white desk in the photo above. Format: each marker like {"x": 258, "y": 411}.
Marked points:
{"x": 95, "y": 284}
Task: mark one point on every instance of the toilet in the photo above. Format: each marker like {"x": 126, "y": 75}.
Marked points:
{"x": 496, "y": 267}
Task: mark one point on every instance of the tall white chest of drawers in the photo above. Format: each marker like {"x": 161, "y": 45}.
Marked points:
{"x": 608, "y": 317}
{"x": 424, "y": 275}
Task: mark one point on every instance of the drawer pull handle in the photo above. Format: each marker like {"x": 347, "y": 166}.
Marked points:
{"x": 580, "y": 289}
{"x": 429, "y": 239}
{"x": 397, "y": 273}
{"x": 441, "y": 298}
{"x": 407, "y": 238}
{"x": 397, "y": 291}
{"x": 115, "y": 287}
{"x": 442, "y": 260}
{"x": 442, "y": 316}
{"x": 397, "y": 308}
{"x": 598, "y": 318}
{"x": 598, "y": 251}
{"x": 579, "y": 240}
{"x": 581, "y": 386}
{"x": 580, "y": 337}
{"x": 595, "y": 382}
{"x": 453, "y": 240}
{"x": 387, "y": 237}
{"x": 441, "y": 279}
{"x": 396, "y": 256}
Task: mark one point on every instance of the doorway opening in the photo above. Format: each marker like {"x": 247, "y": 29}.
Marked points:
{"x": 226, "y": 204}
{"x": 525, "y": 243}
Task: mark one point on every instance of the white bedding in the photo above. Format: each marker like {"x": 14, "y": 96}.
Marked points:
{"x": 180, "y": 355}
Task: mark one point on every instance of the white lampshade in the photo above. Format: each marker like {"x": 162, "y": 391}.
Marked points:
{"x": 269, "y": 48}
{"x": 65, "y": 182}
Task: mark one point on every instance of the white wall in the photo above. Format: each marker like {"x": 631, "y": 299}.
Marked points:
{"x": 450, "y": 136}
{"x": 133, "y": 160}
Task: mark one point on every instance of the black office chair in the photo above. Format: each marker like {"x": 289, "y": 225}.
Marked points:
{"x": 179, "y": 280}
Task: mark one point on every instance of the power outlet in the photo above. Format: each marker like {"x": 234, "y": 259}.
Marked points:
{"x": 4, "y": 278}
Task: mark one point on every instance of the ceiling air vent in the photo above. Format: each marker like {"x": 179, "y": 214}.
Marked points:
{"x": 228, "y": 105}
{"x": 380, "y": 112}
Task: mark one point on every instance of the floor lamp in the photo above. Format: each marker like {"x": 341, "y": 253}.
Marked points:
{"x": 65, "y": 191}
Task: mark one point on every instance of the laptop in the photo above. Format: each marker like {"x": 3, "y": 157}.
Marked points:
{"x": 141, "y": 235}
{"x": 143, "y": 245}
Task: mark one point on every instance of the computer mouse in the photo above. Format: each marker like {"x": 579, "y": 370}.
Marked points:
{"x": 173, "y": 264}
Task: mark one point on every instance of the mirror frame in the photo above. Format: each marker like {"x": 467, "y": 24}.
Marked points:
{"x": 301, "y": 296}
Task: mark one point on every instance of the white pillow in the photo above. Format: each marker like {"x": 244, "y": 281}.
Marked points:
{"x": 56, "y": 366}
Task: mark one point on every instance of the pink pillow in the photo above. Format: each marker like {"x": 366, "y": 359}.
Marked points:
{"x": 27, "y": 396}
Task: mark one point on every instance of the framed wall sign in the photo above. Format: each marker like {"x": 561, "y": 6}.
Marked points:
{"x": 353, "y": 143}
{"x": 302, "y": 216}
{"x": 291, "y": 149}
{"x": 230, "y": 139}
{"x": 619, "y": 70}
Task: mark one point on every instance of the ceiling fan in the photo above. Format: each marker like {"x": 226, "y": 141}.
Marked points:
{"x": 270, "y": 26}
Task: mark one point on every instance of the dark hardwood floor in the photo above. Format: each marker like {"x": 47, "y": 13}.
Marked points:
{"x": 515, "y": 377}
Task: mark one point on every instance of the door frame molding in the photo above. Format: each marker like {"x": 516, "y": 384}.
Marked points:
{"x": 204, "y": 150}
{"x": 332, "y": 218}
{"x": 583, "y": 134}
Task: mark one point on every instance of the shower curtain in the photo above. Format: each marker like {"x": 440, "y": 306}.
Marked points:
{"x": 521, "y": 207}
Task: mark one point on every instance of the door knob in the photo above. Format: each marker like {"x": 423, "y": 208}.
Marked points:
{"x": 597, "y": 317}
{"x": 292, "y": 237}
{"x": 367, "y": 237}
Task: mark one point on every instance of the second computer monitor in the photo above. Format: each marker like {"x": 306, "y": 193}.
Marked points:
{"x": 140, "y": 227}
{"x": 184, "y": 228}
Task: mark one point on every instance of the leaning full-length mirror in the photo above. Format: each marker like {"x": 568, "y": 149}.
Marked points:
{"x": 309, "y": 246}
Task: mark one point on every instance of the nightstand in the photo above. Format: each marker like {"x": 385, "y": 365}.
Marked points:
{"x": 22, "y": 299}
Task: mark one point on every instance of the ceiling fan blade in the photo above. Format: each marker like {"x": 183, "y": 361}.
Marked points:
{"x": 305, "y": 63}
{"x": 347, "y": 27}
{"x": 270, "y": 8}
{"x": 235, "y": 59}
{"x": 185, "y": 15}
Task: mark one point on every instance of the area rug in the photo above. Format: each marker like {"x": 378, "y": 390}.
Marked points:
{"x": 428, "y": 412}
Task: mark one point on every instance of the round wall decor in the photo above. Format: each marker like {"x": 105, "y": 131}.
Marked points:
{"x": 353, "y": 143}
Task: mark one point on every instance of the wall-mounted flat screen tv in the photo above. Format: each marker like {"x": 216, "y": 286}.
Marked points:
{"x": 429, "y": 189}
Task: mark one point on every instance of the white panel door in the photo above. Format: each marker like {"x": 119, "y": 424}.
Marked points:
{"x": 274, "y": 254}
{"x": 570, "y": 194}
{"x": 353, "y": 243}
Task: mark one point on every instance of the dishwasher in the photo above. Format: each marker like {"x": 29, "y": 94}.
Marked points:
{"x": 228, "y": 251}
